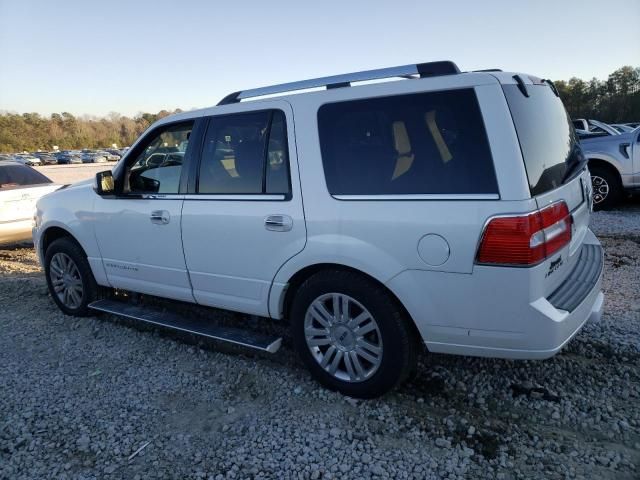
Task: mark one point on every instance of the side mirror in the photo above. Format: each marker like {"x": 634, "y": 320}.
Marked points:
{"x": 104, "y": 183}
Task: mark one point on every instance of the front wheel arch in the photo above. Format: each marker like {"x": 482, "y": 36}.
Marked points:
{"x": 52, "y": 234}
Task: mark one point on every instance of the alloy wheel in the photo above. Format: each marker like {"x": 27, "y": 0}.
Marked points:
{"x": 600, "y": 189}
{"x": 343, "y": 337}
{"x": 66, "y": 280}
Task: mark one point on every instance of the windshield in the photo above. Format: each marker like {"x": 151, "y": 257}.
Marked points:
{"x": 546, "y": 135}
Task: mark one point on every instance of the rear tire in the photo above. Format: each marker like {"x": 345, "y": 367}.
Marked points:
{"x": 351, "y": 334}
{"x": 607, "y": 188}
{"x": 69, "y": 278}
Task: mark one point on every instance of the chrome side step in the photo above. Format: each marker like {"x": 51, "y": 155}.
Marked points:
{"x": 149, "y": 314}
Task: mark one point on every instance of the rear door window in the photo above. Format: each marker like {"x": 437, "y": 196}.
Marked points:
{"x": 246, "y": 153}
{"x": 425, "y": 143}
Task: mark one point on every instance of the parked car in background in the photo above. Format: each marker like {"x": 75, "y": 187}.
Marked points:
{"x": 580, "y": 124}
{"x": 582, "y": 134}
{"x": 614, "y": 164}
{"x": 418, "y": 193}
{"x": 27, "y": 159}
{"x": 594, "y": 126}
{"x": 46, "y": 158}
{"x": 111, "y": 157}
{"x": 20, "y": 188}
{"x": 89, "y": 156}
{"x": 66, "y": 157}
{"x": 622, "y": 127}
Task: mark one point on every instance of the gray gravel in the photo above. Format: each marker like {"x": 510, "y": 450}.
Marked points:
{"x": 622, "y": 221}
{"x": 106, "y": 398}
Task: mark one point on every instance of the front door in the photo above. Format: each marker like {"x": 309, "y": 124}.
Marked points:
{"x": 138, "y": 229}
{"x": 245, "y": 219}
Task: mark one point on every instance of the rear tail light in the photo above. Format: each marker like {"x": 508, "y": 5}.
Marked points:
{"x": 527, "y": 239}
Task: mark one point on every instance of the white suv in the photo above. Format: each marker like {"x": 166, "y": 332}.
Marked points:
{"x": 447, "y": 209}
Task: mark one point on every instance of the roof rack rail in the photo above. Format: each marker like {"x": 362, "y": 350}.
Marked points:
{"x": 429, "y": 69}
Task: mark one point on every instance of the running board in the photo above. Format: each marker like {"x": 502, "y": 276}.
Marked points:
{"x": 156, "y": 316}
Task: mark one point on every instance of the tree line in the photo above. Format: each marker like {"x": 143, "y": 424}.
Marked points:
{"x": 615, "y": 100}
{"x": 31, "y": 131}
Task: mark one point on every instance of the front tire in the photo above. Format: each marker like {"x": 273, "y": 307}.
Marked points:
{"x": 69, "y": 277}
{"x": 607, "y": 189}
{"x": 351, "y": 334}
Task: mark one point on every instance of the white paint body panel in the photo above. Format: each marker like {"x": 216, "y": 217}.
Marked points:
{"x": 233, "y": 262}
{"x": 17, "y": 207}
{"x": 231, "y": 257}
{"x": 140, "y": 255}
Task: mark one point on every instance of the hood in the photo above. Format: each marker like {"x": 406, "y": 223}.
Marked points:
{"x": 606, "y": 139}
{"x": 81, "y": 183}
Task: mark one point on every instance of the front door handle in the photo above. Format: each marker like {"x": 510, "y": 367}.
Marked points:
{"x": 160, "y": 217}
{"x": 278, "y": 223}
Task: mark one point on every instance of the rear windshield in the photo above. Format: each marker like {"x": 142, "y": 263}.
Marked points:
{"x": 546, "y": 135}
{"x": 423, "y": 143}
{"x": 17, "y": 176}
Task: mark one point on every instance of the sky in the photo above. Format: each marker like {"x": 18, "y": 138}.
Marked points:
{"x": 95, "y": 57}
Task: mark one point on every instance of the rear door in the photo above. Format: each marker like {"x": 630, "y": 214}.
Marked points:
{"x": 243, "y": 218}
{"x": 555, "y": 167}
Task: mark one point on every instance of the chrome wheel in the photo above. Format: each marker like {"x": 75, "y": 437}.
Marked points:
{"x": 600, "y": 189}
{"x": 343, "y": 337}
{"x": 66, "y": 280}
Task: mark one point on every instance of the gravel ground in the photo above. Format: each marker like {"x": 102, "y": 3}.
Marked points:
{"x": 107, "y": 398}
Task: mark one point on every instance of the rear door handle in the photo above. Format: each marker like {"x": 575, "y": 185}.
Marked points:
{"x": 160, "y": 217}
{"x": 278, "y": 223}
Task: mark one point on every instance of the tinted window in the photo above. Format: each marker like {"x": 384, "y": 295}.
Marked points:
{"x": 157, "y": 167}
{"x": 427, "y": 143}
{"x": 245, "y": 153}
{"x": 17, "y": 176}
{"x": 546, "y": 135}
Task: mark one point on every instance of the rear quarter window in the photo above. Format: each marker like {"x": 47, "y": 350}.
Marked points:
{"x": 425, "y": 143}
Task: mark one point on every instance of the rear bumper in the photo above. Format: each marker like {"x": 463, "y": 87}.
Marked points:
{"x": 490, "y": 315}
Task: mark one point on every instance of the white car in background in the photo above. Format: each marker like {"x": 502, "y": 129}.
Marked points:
{"x": 20, "y": 188}
{"x": 27, "y": 159}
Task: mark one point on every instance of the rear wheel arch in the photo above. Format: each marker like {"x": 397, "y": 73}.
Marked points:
{"x": 394, "y": 333}
{"x": 307, "y": 272}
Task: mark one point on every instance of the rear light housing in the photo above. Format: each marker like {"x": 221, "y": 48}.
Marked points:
{"x": 527, "y": 239}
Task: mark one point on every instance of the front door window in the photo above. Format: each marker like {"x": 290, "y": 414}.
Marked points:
{"x": 157, "y": 168}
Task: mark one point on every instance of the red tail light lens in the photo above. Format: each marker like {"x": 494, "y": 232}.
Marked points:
{"x": 525, "y": 239}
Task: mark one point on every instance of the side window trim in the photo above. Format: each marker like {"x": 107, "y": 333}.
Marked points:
{"x": 265, "y": 152}
{"x": 194, "y": 172}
